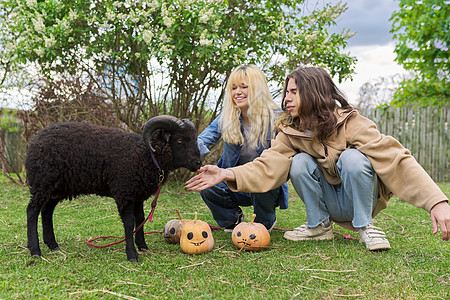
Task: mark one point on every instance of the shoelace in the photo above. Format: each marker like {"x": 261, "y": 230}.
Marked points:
{"x": 374, "y": 232}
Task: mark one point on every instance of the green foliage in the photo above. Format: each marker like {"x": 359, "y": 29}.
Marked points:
{"x": 417, "y": 266}
{"x": 422, "y": 31}
{"x": 154, "y": 56}
{"x": 8, "y": 121}
{"x": 422, "y": 92}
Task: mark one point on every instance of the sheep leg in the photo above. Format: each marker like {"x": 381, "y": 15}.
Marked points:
{"x": 127, "y": 217}
{"x": 139, "y": 218}
{"x": 33, "y": 210}
{"x": 47, "y": 224}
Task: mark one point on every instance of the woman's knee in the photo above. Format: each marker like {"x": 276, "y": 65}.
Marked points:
{"x": 354, "y": 162}
{"x": 213, "y": 193}
{"x": 302, "y": 164}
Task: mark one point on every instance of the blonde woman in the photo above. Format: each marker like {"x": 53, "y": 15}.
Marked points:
{"x": 246, "y": 125}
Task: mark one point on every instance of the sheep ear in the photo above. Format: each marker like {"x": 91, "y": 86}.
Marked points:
{"x": 167, "y": 136}
{"x": 165, "y": 122}
{"x": 159, "y": 135}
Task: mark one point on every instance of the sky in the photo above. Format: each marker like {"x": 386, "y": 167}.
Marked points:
{"x": 372, "y": 44}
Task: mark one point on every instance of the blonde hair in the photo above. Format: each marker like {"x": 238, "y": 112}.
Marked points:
{"x": 260, "y": 108}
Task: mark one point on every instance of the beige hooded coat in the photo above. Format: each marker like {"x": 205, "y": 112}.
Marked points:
{"x": 398, "y": 171}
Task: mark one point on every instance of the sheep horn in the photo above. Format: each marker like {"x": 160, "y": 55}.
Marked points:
{"x": 166, "y": 122}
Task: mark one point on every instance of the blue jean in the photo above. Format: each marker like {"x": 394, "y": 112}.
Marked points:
{"x": 224, "y": 204}
{"x": 354, "y": 199}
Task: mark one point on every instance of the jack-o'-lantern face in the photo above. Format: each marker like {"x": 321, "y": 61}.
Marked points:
{"x": 196, "y": 237}
{"x": 251, "y": 236}
{"x": 172, "y": 229}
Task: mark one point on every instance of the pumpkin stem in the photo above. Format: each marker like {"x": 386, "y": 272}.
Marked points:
{"x": 179, "y": 215}
{"x": 253, "y": 219}
{"x": 195, "y": 219}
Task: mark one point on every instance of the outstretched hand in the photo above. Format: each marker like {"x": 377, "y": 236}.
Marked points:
{"x": 208, "y": 176}
{"x": 440, "y": 213}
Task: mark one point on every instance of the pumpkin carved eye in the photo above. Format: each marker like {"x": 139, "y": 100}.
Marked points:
{"x": 172, "y": 229}
{"x": 190, "y": 236}
{"x": 205, "y": 234}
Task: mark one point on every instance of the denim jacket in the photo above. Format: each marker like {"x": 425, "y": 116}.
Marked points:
{"x": 231, "y": 153}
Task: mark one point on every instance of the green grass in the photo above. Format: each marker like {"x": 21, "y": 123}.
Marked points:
{"x": 417, "y": 266}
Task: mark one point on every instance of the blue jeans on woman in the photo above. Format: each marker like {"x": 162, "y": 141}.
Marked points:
{"x": 354, "y": 199}
{"x": 224, "y": 204}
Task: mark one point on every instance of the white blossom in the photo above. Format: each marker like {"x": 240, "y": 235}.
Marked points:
{"x": 39, "y": 25}
{"x": 205, "y": 15}
{"x": 225, "y": 45}
{"x": 167, "y": 49}
{"x": 31, "y": 3}
{"x": 164, "y": 38}
{"x": 73, "y": 15}
{"x": 168, "y": 21}
{"x": 40, "y": 52}
{"x": 153, "y": 5}
{"x": 110, "y": 15}
{"x": 49, "y": 41}
{"x": 123, "y": 17}
{"x": 147, "y": 36}
{"x": 205, "y": 42}
{"x": 217, "y": 23}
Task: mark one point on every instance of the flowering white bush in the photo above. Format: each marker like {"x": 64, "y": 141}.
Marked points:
{"x": 153, "y": 56}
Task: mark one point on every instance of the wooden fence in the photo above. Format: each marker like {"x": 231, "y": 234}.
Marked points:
{"x": 424, "y": 131}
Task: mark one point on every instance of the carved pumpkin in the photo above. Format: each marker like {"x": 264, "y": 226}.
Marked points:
{"x": 172, "y": 229}
{"x": 251, "y": 236}
{"x": 196, "y": 237}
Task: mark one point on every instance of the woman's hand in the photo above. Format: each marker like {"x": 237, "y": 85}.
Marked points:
{"x": 209, "y": 176}
{"x": 440, "y": 214}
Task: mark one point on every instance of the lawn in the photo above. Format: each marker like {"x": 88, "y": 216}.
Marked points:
{"x": 417, "y": 266}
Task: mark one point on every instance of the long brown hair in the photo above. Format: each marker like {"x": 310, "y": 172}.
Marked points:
{"x": 318, "y": 98}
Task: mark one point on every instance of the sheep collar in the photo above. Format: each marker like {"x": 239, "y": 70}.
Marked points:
{"x": 161, "y": 171}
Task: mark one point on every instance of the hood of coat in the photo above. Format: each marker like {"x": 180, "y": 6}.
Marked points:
{"x": 341, "y": 116}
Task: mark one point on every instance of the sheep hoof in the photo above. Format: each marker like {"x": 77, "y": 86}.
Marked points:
{"x": 35, "y": 252}
{"x": 133, "y": 259}
{"x": 53, "y": 247}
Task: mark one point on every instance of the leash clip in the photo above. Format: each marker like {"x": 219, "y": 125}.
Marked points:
{"x": 161, "y": 178}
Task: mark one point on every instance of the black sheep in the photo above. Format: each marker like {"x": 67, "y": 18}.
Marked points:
{"x": 65, "y": 160}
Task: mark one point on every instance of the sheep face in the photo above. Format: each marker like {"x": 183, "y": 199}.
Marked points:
{"x": 183, "y": 143}
{"x": 174, "y": 142}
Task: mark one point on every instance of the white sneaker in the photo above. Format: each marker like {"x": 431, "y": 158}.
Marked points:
{"x": 305, "y": 233}
{"x": 273, "y": 225}
{"x": 374, "y": 238}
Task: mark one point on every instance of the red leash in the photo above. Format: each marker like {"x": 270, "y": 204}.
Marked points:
{"x": 346, "y": 236}
{"x": 149, "y": 218}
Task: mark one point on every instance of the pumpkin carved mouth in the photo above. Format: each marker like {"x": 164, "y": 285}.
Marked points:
{"x": 247, "y": 242}
{"x": 198, "y": 244}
